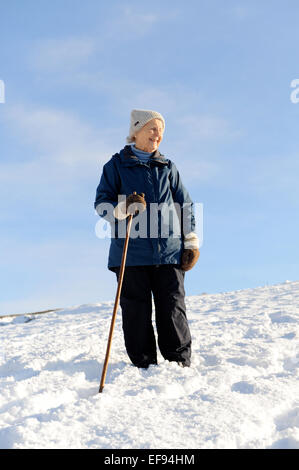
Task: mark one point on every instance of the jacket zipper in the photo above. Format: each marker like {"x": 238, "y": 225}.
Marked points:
{"x": 157, "y": 201}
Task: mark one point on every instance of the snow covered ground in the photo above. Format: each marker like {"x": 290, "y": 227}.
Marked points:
{"x": 241, "y": 392}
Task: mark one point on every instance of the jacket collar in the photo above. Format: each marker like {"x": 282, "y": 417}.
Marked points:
{"x": 128, "y": 158}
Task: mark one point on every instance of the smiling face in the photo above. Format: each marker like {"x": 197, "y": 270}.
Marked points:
{"x": 149, "y": 137}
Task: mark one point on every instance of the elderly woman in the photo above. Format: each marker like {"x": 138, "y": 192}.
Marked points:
{"x": 156, "y": 262}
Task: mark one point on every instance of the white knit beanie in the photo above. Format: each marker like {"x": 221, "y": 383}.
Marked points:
{"x": 139, "y": 117}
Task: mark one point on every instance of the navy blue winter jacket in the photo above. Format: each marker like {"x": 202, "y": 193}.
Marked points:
{"x": 160, "y": 181}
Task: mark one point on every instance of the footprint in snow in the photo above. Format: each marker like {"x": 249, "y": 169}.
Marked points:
{"x": 176, "y": 389}
{"x": 291, "y": 363}
{"x": 211, "y": 360}
{"x": 291, "y": 335}
{"x": 289, "y": 419}
{"x": 279, "y": 317}
{"x": 244, "y": 387}
{"x": 172, "y": 390}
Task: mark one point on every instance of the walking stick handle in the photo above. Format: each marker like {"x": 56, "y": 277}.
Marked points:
{"x": 116, "y": 302}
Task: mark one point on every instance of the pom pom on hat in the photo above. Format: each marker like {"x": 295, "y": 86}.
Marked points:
{"x": 140, "y": 117}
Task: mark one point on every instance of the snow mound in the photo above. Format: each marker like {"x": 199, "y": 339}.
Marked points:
{"x": 241, "y": 390}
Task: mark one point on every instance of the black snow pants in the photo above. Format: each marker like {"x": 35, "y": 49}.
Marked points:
{"x": 166, "y": 284}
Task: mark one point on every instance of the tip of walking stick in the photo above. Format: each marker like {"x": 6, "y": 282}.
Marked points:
{"x": 101, "y": 389}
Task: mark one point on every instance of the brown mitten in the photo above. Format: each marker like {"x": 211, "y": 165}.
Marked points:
{"x": 135, "y": 202}
{"x": 189, "y": 258}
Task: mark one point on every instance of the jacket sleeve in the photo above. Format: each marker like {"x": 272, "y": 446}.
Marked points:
{"x": 181, "y": 196}
{"x": 107, "y": 191}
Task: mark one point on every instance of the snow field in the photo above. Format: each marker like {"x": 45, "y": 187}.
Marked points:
{"x": 240, "y": 392}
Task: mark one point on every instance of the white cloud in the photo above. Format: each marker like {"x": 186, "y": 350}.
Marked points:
{"x": 193, "y": 142}
{"x": 208, "y": 127}
{"x": 65, "y": 53}
{"x": 66, "y": 272}
{"x": 68, "y": 54}
{"x": 242, "y": 11}
{"x": 198, "y": 171}
{"x": 58, "y": 137}
{"x": 61, "y": 153}
{"x": 59, "y": 167}
{"x": 136, "y": 21}
{"x": 276, "y": 175}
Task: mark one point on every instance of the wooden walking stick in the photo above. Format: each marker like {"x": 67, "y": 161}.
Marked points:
{"x": 116, "y": 302}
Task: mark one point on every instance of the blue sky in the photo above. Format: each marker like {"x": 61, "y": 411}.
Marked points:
{"x": 219, "y": 72}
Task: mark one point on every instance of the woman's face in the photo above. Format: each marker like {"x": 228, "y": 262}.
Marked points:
{"x": 149, "y": 137}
